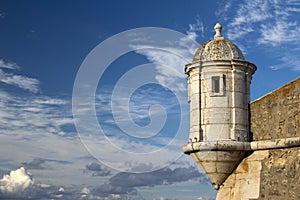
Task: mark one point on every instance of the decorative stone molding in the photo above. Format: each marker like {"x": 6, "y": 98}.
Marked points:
{"x": 224, "y": 145}
{"x": 218, "y": 49}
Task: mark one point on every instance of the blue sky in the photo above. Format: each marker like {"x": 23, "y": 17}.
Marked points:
{"x": 71, "y": 131}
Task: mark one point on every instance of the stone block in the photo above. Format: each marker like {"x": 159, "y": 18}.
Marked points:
{"x": 229, "y": 156}
{"x": 215, "y": 132}
{"x": 209, "y": 167}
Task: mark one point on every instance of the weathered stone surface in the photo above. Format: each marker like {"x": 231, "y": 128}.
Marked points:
{"x": 280, "y": 175}
{"x": 244, "y": 182}
{"x": 218, "y": 49}
{"x": 277, "y": 115}
{"x": 270, "y": 174}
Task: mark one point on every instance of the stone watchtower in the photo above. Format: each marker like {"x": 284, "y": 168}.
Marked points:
{"x": 219, "y": 94}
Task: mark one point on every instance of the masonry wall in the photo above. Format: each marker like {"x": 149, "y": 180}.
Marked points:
{"x": 280, "y": 175}
{"x": 277, "y": 114}
{"x": 270, "y": 174}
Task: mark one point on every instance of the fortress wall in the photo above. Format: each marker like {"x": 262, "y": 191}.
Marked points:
{"x": 280, "y": 175}
{"x": 277, "y": 114}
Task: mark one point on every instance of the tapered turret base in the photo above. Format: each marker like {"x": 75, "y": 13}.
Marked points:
{"x": 219, "y": 159}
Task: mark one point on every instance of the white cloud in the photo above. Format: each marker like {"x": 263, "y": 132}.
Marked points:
{"x": 195, "y": 30}
{"x": 280, "y": 32}
{"x": 23, "y": 82}
{"x": 51, "y": 101}
{"x": 224, "y": 12}
{"x": 287, "y": 61}
{"x": 248, "y": 13}
{"x": 32, "y": 114}
{"x": 171, "y": 54}
{"x": 169, "y": 66}
{"x": 8, "y": 65}
{"x": 61, "y": 189}
{"x": 271, "y": 23}
{"x": 85, "y": 191}
{"x": 170, "y": 58}
{"x": 43, "y": 185}
{"x": 116, "y": 196}
{"x": 275, "y": 18}
{"x": 16, "y": 182}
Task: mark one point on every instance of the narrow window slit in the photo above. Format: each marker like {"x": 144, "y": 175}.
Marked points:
{"x": 216, "y": 84}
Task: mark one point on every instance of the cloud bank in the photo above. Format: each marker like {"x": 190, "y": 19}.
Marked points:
{"x": 124, "y": 183}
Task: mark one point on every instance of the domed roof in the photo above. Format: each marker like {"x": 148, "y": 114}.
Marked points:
{"x": 218, "y": 49}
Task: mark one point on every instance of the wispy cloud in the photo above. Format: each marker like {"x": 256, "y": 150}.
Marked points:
{"x": 170, "y": 57}
{"x": 271, "y": 23}
{"x": 282, "y": 32}
{"x": 247, "y": 14}
{"x": 276, "y": 19}
{"x": 287, "y": 61}
{"x": 224, "y": 12}
{"x": 23, "y": 82}
{"x": 196, "y": 29}
{"x": 32, "y": 114}
{"x": 51, "y": 101}
{"x": 141, "y": 114}
{"x": 8, "y": 65}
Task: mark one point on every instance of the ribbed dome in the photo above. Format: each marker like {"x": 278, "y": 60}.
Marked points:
{"x": 218, "y": 49}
